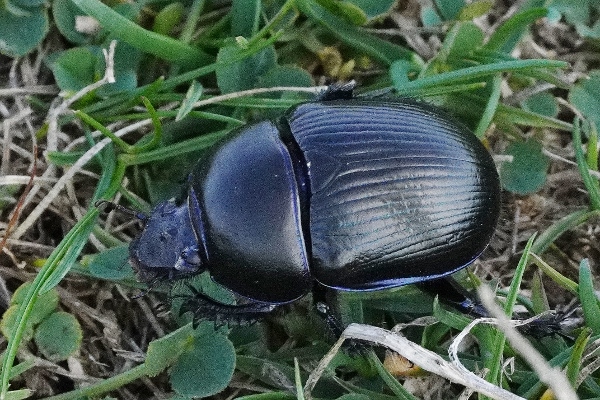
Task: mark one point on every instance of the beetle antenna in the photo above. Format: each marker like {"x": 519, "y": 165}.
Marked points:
{"x": 109, "y": 206}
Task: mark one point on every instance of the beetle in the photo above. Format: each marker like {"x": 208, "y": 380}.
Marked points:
{"x": 343, "y": 192}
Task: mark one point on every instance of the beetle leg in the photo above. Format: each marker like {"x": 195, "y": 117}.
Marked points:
{"x": 543, "y": 325}
{"x": 320, "y": 303}
{"x": 452, "y": 293}
{"x": 331, "y": 321}
{"x": 352, "y": 347}
{"x": 203, "y": 308}
{"x": 338, "y": 91}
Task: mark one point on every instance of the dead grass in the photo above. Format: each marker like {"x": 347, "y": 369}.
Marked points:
{"x": 117, "y": 328}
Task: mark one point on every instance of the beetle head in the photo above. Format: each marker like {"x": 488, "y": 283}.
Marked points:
{"x": 167, "y": 249}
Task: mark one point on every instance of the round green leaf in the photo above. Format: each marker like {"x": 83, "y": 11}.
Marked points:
{"x": 400, "y": 71}
{"x": 585, "y": 95}
{"x": 44, "y": 305}
{"x": 20, "y": 33}
{"x": 58, "y": 336}
{"x": 207, "y": 367}
{"x": 8, "y": 322}
{"x": 243, "y": 74}
{"x": 73, "y": 69}
{"x": 112, "y": 264}
{"x": 527, "y": 171}
{"x": 163, "y": 352}
{"x": 462, "y": 40}
{"x": 430, "y": 17}
{"x": 542, "y": 103}
{"x": 127, "y": 59}
{"x": 65, "y": 13}
{"x": 286, "y": 76}
{"x": 245, "y": 17}
{"x": 449, "y": 8}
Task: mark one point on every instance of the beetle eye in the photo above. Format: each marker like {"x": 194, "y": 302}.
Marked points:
{"x": 189, "y": 260}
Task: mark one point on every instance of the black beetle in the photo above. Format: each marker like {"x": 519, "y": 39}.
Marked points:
{"x": 352, "y": 193}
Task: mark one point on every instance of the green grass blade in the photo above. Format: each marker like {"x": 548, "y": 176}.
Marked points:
{"x": 591, "y": 184}
{"x": 60, "y": 257}
{"x": 175, "y": 150}
{"x": 495, "y": 363}
{"x": 151, "y": 42}
{"x": 490, "y": 107}
{"x": 379, "y": 49}
{"x": 553, "y": 232}
{"x": 480, "y": 71}
{"x": 587, "y": 296}
{"x": 508, "y": 34}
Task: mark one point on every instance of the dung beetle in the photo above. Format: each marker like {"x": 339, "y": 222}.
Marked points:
{"x": 344, "y": 192}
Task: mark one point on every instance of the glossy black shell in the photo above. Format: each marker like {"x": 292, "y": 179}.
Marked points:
{"x": 355, "y": 194}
